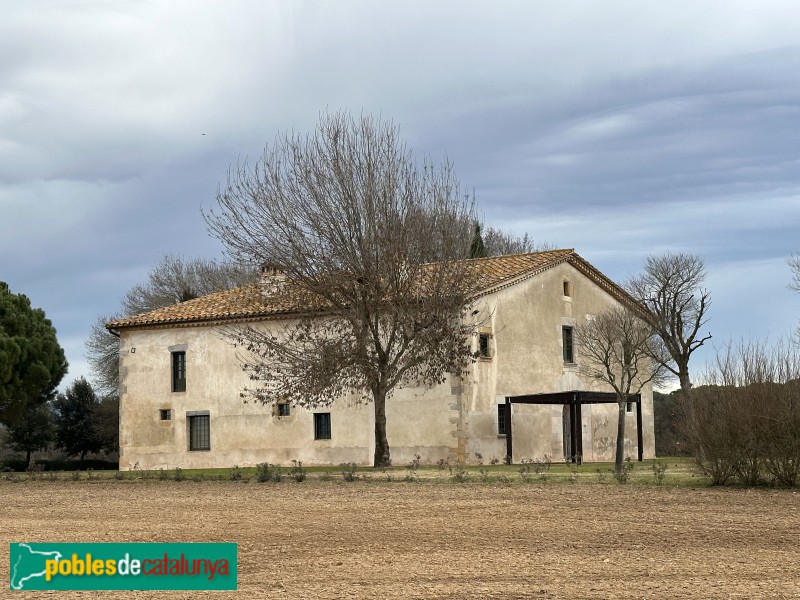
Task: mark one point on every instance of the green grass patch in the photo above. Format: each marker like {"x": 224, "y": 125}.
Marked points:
{"x": 667, "y": 471}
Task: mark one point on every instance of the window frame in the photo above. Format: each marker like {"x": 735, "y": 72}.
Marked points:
{"x": 322, "y": 426}
{"x": 502, "y": 428}
{"x": 197, "y": 440}
{"x": 178, "y": 379}
{"x": 484, "y": 346}
{"x": 165, "y": 414}
{"x": 284, "y": 409}
{"x": 567, "y": 344}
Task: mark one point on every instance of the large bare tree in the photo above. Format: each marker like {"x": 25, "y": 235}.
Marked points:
{"x": 794, "y": 264}
{"x": 375, "y": 240}
{"x": 616, "y": 347}
{"x": 671, "y": 290}
{"x": 173, "y": 279}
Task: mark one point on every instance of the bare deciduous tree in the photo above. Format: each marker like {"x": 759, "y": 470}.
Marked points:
{"x": 174, "y": 279}
{"x": 616, "y": 348}
{"x": 794, "y": 264}
{"x": 497, "y": 242}
{"x": 373, "y": 238}
{"x": 670, "y": 289}
{"x": 745, "y": 423}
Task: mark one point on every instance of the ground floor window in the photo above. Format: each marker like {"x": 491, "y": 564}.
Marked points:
{"x": 322, "y": 426}
{"x": 501, "y": 419}
{"x": 199, "y": 430}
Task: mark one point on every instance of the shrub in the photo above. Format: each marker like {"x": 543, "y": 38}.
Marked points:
{"x": 297, "y": 471}
{"x": 443, "y": 464}
{"x": 268, "y": 472}
{"x": 746, "y": 423}
{"x": 659, "y": 471}
{"x": 235, "y": 474}
{"x": 525, "y": 470}
{"x": 413, "y": 469}
{"x": 178, "y": 475}
{"x": 460, "y": 473}
{"x": 623, "y": 474}
{"x": 349, "y": 471}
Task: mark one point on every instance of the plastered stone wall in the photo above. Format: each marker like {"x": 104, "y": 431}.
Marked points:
{"x": 456, "y": 420}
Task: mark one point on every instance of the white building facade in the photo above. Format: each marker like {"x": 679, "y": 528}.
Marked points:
{"x": 181, "y": 384}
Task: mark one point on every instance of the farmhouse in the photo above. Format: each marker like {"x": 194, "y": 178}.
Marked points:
{"x": 180, "y": 383}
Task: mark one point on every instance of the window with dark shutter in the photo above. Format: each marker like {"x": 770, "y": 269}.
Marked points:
{"x": 566, "y": 335}
{"x": 322, "y": 426}
{"x": 179, "y": 371}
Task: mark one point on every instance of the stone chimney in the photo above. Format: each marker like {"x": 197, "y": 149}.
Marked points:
{"x": 272, "y": 280}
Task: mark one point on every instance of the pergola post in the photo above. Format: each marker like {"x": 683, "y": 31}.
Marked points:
{"x": 509, "y": 443}
{"x": 639, "y": 436}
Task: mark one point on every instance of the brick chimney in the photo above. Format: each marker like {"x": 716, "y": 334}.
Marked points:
{"x": 272, "y": 280}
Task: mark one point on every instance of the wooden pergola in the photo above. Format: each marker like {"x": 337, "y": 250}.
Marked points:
{"x": 574, "y": 400}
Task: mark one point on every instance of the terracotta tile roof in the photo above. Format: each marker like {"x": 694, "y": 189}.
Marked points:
{"x": 248, "y": 303}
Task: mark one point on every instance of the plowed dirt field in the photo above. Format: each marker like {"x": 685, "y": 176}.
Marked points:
{"x": 429, "y": 540}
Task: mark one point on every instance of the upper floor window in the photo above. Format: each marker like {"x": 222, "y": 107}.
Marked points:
{"x": 165, "y": 414}
{"x": 483, "y": 345}
{"x": 567, "y": 288}
{"x": 566, "y": 339}
{"x": 284, "y": 409}
{"x": 179, "y": 371}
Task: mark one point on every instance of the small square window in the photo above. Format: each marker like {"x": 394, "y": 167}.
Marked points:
{"x": 284, "y": 409}
{"x": 629, "y": 407}
{"x": 179, "y": 371}
{"x": 566, "y": 338}
{"x": 501, "y": 419}
{"x": 199, "y": 431}
{"x": 165, "y": 414}
{"x": 322, "y": 426}
{"x": 483, "y": 345}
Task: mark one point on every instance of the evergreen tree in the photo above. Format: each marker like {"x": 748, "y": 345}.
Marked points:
{"x": 76, "y": 420}
{"x": 32, "y": 431}
{"x": 477, "y": 249}
{"x": 32, "y": 363}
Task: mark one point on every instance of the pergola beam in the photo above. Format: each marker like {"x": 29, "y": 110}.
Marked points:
{"x": 574, "y": 399}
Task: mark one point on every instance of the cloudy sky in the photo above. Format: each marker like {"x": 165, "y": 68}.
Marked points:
{"x": 618, "y": 128}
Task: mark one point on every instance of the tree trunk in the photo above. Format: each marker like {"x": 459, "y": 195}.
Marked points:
{"x": 619, "y": 457}
{"x": 686, "y": 384}
{"x": 28, "y": 458}
{"x": 382, "y": 456}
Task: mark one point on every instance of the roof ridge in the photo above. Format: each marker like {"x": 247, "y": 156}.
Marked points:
{"x": 499, "y": 256}
{"x": 246, "y": 302}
